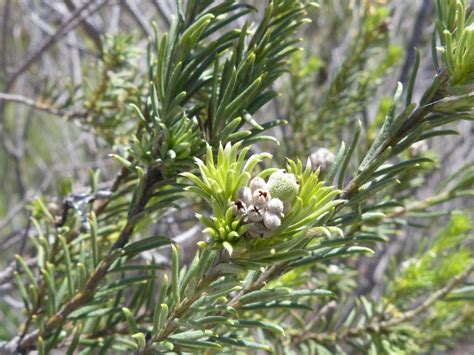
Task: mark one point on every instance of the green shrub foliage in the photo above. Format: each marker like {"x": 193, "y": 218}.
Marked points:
{"x": 278, "y": 241}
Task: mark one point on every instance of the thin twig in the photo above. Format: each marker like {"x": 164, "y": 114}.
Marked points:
{"x": 40, "y": 105}
{"x": 76, "y": 18}
{"x": 378, "y": 327}
{"x": 88, "y": 27}
{"x": 164, "y": 12}
{"x": 138, "y": 16}
{"x": 270, "y": 274}
{"x": 7, "y": 274}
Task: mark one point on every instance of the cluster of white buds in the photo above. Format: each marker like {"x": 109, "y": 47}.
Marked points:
{"x": 257, "y": 206}
{"x": 322, "y": 158}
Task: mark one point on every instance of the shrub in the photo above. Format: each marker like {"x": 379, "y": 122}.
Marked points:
{"x": 283, "y": 232}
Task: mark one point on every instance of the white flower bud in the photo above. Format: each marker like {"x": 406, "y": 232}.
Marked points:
{"x": 271, "y": 221}
{"x": 283, "y": 186}
{"x": 261, "y": 197}
{"x": 418, "y": 148}
{"x": 258, "y": 183}
{"x": 245, "y": 195}
{"x": 239, "y": 208}
{"x": 258, "y": 231}
{"x": 322, "y": 158}
{"x": 254, "y": 214}
{"x": 275, "y": 205}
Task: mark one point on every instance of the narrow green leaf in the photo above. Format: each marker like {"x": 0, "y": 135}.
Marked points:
{"x": 228, "y": 247}
{"x": 242, "y": 323}
{"x": 51, "y": 287}
{"x": 175, "y": 260}
{"x": 191, "y": 335}
{"x": 384, "y": 132}
{"x": 67, "y": 258}
{"x": 140, "y": 246}
{"x": 93, "y": 230}
{"x": 277, "y": 305}
{"x": 311, "y": 293}
{"x": 350, "y": 152}
{"x": 163, "y": 316}
{"x": 140, "y": 339}
{"x": 75, "y": 340}
{"x": 264, "y": 295}
{"x": 241, "y": 343}
{"x": 158, "y": 305}
{"x": 27, "y": 270}
{"x": 213, "y": 320}
{"x": 327, "y": 254}
{"x": 93, "y": 311}
{"x": 414, "y": 72}
{"x": 337, "y": 163}
{"x": 24, "y": 294}
{"x": 41, "y": 346}
{"x": 124, "y": 162}
{"x": 197, "y": 345}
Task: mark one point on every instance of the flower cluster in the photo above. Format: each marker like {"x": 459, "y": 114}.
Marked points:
{"x": 263, "y": 204}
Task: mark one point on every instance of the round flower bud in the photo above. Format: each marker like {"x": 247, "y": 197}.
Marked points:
{"x": 418, "y": 148}
{"x": 322, "y": 158}
{"x": 258, "y": 183}
{"x": 261, "y": 197}
{"x": 271, "y": 221}
{"x": 239, "y": 208}
{"x": 275, "y": 205}
{"x": 283, "y": 186}
{"x": 245, "y": 195}
{"x": 254, "y": 214}
{"x": 258, "y": 231}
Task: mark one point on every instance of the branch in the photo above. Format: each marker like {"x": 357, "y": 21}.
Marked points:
{"x": 76, "y": 18}
{"x": 261, "y": 282}
{"x": 89, "y": 28}
{"x": 39, "y": 105}
{"x": 435, "y": 297}
{"x": 138, "y": 16}
{"x": 78, "y": 300}
{"x": 153, "y": 178}
{"x": 171, "y": 326}
{"x": 379, "y": 327}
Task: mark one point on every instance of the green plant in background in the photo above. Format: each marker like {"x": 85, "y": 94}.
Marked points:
{"x": 106, "y": 103}
{"x": 275, "y": 267}
{"x": 343, "y": 97}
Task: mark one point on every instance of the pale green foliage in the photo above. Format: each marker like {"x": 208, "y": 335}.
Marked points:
{"x": 106, "y": 101}
{"x": 342, "y": 97}
{"x": 97, "y": 283}
{"x": 221, "y": 180}
{"x": 435, "y": 265}
{"x": 456, "y": 34}
{"x": 219, "y": 185}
